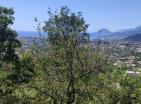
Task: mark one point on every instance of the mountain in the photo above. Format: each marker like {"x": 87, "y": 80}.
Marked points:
{"x": 133, "y": 38}
{"x": 128, "y": 32}
{"x": 101, "y": 33}
{"x": 30, "y": 34}
{"x": 120, "y": 34}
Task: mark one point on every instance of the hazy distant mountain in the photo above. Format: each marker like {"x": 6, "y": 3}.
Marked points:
{"x": 30, "y": 34}
{"x": 135, "y": 37}
{"x": 101, "y": 34}
{"x": 126, "y": 33}
{"x": 121, "y": 34}
{"x": 104, "y": 34}
{"x": 122, "y": 30}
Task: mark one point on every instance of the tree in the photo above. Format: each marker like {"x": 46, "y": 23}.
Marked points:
{"x": 16, "y": 71}
{"x": 8, "y": 41}
{"x": 69, "y": 62}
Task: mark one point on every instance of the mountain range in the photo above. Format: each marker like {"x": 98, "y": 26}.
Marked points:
{"x": 30, "y": 34}
{"x": 103, "y": 34}
{"x": 133, "y": 38}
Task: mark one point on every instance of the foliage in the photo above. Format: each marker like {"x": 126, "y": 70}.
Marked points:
{"x": 8, "y": 41}
{"x": 62, "y": 69}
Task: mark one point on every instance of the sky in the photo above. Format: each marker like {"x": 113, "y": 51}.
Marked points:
{"x": 111, "y": 14}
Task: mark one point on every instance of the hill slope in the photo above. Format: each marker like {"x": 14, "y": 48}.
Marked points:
{"x": 136, "y": 37}
{"x": 121, "y": 34}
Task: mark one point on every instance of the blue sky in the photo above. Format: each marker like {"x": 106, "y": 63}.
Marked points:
{"x": 111, "y": 14}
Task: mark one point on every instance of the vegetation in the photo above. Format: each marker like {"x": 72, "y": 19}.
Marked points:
{"x": 62, "y": 69}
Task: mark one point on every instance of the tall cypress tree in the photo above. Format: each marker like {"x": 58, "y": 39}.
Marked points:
{"x": 8, "y": 41}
